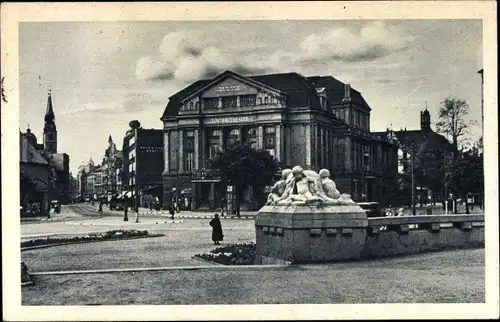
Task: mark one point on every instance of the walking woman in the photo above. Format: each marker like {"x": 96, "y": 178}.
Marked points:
{"x": 217, "y": 235}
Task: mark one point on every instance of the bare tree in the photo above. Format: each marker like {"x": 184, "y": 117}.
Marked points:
{"x": 452, "y": 119}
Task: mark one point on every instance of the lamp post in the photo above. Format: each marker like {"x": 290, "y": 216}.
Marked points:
{"x": 413, "y": 210}
{"x": 482, "y": 120}
{"x": 366, "y": 159}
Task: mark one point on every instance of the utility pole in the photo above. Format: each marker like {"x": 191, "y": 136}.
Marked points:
{"x": 413, "y": 179}
{"x": 445, "y": 182}
{"x": 482, "y": 123}
{"x": 136, "y": 181}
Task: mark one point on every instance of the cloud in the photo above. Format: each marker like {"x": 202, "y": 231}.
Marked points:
{"x": 187, "y": 56}
{"x": 371, "y": 42}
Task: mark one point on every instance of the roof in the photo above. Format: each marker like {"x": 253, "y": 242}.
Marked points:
{"x": 29, "y": 153}
{"x": 299, "y": 89}
{"x": 422, "y": 137}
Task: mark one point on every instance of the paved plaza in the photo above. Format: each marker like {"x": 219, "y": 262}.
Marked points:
{"x": 454, "y": 276}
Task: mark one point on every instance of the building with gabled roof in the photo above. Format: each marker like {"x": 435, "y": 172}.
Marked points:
{"x": 316, "y": 122}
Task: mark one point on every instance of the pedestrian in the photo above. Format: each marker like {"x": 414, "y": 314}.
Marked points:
{"x": 217, "y": 235}
{"x": 171, "y": 210}
{"x": 100, "y": 208}
{"x": 186, "y": 203}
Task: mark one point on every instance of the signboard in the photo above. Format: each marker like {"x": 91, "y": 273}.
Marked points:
{"x": 242, "y": 119}
{"x": 232, "y": 88}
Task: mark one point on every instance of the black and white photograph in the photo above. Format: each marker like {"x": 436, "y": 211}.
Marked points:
{"x": 249, "y": 160}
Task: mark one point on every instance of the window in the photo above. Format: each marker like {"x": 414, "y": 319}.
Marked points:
{"x": 191, "y": 105}
{"x": 251, "y": 137}
{"x": 342, "y": 114}
{"x": 266, "y": 100}
{"x": 358, "y": 122}
{"x": 229, "y": 101}
{"x": 248, "y": 100}
{"x": 189, "y": 161}
{"x": 233, "y": 137}
{"x": 259, "y": 100}
{"x": 211, "y": 103}
{"x": 188, "y": 152}
{"x": 270, "y": 139}
{"x": 197, "y": 105}
{"x": 213, "y": 143}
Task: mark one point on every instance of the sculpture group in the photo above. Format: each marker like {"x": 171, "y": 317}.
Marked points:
{"x": 299, "y": 186}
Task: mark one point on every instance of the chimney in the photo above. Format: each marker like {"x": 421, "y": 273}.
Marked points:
{"x": 347, "y": 93}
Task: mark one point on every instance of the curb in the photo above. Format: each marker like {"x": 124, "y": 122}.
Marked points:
{"x": 86, "y": 242}
{"x": 155, "y": 269}
{"x": 206, "y": 261}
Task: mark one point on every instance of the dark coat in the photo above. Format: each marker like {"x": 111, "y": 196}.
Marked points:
{"x": 217, "y": 234}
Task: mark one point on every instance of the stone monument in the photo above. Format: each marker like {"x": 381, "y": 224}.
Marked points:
{"x": 306, "y": 219}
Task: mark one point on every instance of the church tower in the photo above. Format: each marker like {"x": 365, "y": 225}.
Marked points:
{"x": 49, "y": 130}
{"x": 425, "y": 119}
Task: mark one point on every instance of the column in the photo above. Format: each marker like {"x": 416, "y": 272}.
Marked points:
{"x": 196, "y": 148}
{"x": 327, "y": 148}
{"x": 166, "y": 154}
{"x": 321, "y": 148}
{"x": 316, "y": 149}
{"x": 240, "y": 133}
{"x": 238, "y": 103}
{"x": 221, "y": 137}
{"x": 278, "y": 142}
{"x": 181, "y": 152}
{"x": 308, "y": 146}
{"x": 219, "y": 102}
{"x": 260, "y": 137}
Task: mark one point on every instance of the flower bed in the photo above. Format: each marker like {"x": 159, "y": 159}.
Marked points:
{"x": 237, "y": 254}
{"x": 109, "y": 235}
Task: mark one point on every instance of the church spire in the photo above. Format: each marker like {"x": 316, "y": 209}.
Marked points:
{"x": 50, "y": 130}
{"x": 49, "y": 113}
{"x": 110, "y": 140}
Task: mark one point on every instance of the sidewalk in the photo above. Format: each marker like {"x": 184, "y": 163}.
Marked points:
{"x": 184, "y": 214}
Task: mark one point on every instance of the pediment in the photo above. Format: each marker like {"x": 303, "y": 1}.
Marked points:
{"x": 232, "y": 84}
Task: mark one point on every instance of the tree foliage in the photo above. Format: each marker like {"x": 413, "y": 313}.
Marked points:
{"x": 465, "y": 175}
{"x": 452, "y": 119}
{"x": 241, "y": 165}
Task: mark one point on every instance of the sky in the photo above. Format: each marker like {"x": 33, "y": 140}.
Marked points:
{"x": 104, "y": 74}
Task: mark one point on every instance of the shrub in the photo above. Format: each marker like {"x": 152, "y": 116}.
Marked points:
{"x": 236, "y": 254}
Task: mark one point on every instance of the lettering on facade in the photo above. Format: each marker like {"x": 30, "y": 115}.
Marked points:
{"x": 232, "y": 88}
{"x": 242, "y": 119}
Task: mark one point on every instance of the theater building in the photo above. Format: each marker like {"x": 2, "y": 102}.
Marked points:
{"x": 316, "y": 122}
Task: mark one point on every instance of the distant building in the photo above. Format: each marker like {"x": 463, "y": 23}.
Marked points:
{"x": 418, "y": 142}
{"x": 112, "y": 163}
{"x": 316, "y": 122}
{"x": 143, "y": 164}
{"x": 34, "y": 177}
{"x": 83, "y": 172}
{"x": 59, "y": 177}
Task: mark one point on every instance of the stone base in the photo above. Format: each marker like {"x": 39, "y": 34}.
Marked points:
{"x": 308, "y": 234}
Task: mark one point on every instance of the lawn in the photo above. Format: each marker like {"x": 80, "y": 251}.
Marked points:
{"x": 174, "y": 249}
{"x": 445, "y": 277}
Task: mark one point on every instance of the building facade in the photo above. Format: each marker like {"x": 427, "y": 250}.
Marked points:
{"x": 142, "y": 164}
{"x": 416, "y": 143}
{"x": 34, "y": 177}
{"x": 316, "y": 122}
{"x": 111, "y": 164}
{"x": 59, "y": 175}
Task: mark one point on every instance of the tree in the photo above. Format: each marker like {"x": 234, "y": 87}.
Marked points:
{"x": 465, "y": 175}
{"x": 452, "y": 119}
{"x": 240, "y": 166}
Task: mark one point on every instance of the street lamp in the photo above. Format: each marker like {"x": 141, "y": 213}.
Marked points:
{"x": 413, "y": 210}
{"x": 366, "y": 159}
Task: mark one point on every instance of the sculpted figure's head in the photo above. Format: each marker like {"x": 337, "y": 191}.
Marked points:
{"x": 298, "y": 172}
{"x": 285, "y": 173}
{"x": 324, "y": 173}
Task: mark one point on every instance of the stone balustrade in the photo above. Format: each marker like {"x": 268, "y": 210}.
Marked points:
{"x": 303, "y": 234}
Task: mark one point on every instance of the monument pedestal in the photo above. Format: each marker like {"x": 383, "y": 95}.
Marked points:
{"x": 310, "y": 233}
